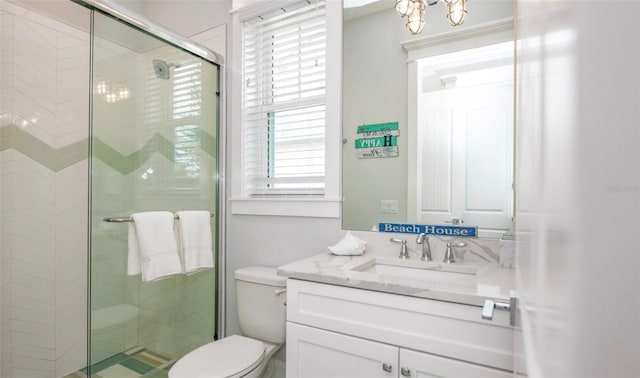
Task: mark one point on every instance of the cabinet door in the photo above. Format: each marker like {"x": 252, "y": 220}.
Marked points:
{"x": 312, "y": 352}
{"x": 422, "y": 365}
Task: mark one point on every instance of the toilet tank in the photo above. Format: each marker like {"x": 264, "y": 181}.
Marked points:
{"x": 261, "y": 303}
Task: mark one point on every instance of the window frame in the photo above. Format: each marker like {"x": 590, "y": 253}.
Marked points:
{"x": 328, "y": 204}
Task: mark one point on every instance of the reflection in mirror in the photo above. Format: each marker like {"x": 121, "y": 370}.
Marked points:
{"x": 464, "y": 144}
{"x": 388, "y": 78}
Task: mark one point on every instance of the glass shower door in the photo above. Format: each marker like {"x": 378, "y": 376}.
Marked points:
{"x": 153, "y": 148}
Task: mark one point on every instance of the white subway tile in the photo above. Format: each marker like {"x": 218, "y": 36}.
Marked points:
{"x": 34, "y": 351}
{"x": 12, "y": 8}
{"x": 33, "y": 329}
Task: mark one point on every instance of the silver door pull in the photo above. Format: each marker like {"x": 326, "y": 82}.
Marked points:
{"x": 490, "y": 305}
{"x": 405, "y": 372}
{"x": 387, "y": 367}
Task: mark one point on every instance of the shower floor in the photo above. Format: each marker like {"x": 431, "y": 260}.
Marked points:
{"x": 134, "y": 363}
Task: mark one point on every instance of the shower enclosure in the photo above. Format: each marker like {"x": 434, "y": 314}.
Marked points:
{"x": 99, "y": 119}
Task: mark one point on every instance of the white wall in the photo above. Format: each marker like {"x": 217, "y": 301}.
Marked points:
{"x": 374, "y": 91}
{"x": 579, "y": 188}
{"x": 186, "y": 17}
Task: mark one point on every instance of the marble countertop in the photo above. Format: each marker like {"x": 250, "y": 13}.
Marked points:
{"x": 490, "y": 282}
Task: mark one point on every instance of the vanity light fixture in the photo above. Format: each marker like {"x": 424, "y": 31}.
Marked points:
{"x": 414, "y": 11}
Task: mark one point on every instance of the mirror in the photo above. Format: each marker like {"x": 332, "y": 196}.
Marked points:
{"x": 450, "y": 91}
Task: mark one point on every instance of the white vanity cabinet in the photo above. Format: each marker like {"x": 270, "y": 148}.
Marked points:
{"x": 342, "y": 332}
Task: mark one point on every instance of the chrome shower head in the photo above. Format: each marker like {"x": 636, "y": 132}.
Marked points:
{"x": 161, "y": 68}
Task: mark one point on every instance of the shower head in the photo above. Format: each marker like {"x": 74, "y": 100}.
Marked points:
{"x": 161, "y": 68}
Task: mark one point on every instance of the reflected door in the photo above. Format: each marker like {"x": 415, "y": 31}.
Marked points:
{"x": 466, "y": 156}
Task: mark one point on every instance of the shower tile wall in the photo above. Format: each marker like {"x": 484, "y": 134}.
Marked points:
{"x": 43, "y": 150}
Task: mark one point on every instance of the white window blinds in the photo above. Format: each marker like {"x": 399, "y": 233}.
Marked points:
{"x": 284, "y": 101}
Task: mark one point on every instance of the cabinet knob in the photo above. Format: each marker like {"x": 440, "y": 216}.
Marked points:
{"x": 387, "y": 367}
{"x": 405, "y": 372}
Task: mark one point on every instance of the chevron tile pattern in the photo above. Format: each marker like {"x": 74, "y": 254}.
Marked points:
{"x": 43, "y": 150}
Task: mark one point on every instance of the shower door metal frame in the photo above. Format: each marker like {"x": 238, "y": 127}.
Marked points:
{"x": 144, "y": 25}
{"x": 141, "y": 23}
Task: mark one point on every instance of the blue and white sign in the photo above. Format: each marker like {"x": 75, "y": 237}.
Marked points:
{"x": 455, "y": 231}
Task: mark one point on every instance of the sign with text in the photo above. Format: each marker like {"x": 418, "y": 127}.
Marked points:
{"x": 378, "y": 140}
{"x": 386, "y": 141}
{"x": 378, "y": 130}
{"x": 454, "y": 231}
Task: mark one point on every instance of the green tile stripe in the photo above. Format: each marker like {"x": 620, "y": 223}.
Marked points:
{"x": 157, "y": 143}
{"x": 13, "y": 137}
{"x": 104, "y": 364}
{"x": 137, "y": 366}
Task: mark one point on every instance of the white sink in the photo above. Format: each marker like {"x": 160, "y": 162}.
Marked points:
{"x": 420, "y": 270}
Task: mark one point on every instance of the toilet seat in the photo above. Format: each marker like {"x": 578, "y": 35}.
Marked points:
{"x": 230, "y": 357}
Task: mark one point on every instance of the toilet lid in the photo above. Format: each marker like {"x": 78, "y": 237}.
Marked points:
{"x": 228, "y": 357}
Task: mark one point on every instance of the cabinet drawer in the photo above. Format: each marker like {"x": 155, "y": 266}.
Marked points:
{"x": 442, "y": 328}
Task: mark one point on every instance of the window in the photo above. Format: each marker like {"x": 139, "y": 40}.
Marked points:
{"x": 283, "y": 101}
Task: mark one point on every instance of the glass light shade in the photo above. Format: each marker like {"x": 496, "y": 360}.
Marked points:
{"x": 415, "y": 20}
{"x": 404, "y": 7}
{"x": 457, "y": 11}
{"x": 449, "y": 2}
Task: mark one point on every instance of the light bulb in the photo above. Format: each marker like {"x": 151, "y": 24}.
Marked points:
{"x": 457, "y": 11}
{"x": 101, "y": 87}
{"x": 404, "y": 7}
{"x": 415, "y": 21}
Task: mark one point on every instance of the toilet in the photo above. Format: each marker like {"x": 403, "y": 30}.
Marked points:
{"x": 261, "y": 314}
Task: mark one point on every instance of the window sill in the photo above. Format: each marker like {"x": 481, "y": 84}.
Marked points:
{"x": 287, "y": 207}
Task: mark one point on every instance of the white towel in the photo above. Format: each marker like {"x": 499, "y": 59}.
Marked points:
{"x": 194, "y": 230}
{"x": 350, "y": 245}
{"x": 153, "y": 249}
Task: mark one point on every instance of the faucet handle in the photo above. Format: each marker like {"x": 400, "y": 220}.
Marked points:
{"x": 456, "y": 244}
{"x": 448, "y": 254}
{"x": 404, "y": 252}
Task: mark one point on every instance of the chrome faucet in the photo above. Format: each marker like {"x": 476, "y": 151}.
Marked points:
{"x": 404, "y": 252}
{"x": 426, "y": 247}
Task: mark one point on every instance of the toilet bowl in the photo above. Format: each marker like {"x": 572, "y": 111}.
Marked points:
{"x": 262, "y": 319}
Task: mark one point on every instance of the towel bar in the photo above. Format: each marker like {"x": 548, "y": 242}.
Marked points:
{"x": 127, "y": 219}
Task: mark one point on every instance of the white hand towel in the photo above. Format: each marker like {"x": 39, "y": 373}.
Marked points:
{"x": 153, "y": 249}
{"x": 350, "y": 245}
{"x": 194, "y": 230}
{"x": 133, "y": 258}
